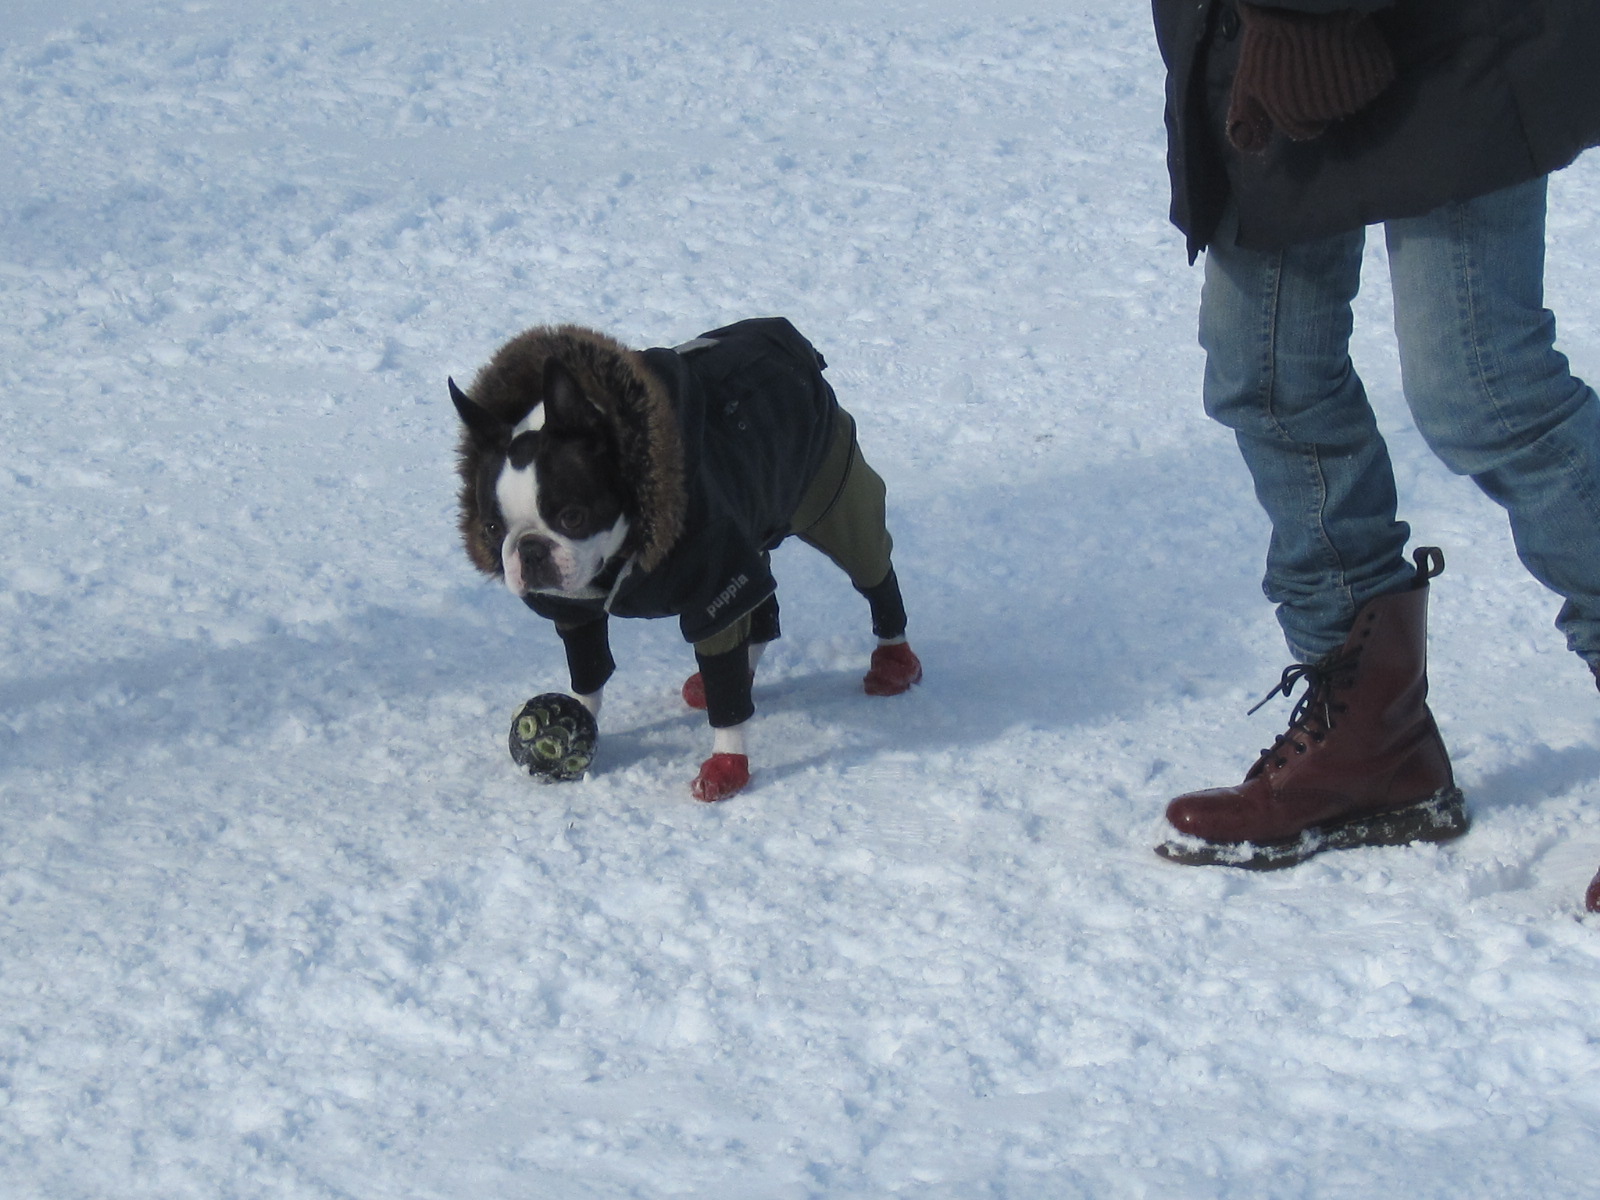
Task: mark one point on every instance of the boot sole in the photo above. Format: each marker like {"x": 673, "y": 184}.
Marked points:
{"x": 1439, "y": 818}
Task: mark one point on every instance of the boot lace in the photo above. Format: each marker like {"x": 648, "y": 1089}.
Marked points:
{"x": 1315, "y": 714}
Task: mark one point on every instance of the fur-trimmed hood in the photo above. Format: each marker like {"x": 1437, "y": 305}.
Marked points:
{"x": 632, "y": 399}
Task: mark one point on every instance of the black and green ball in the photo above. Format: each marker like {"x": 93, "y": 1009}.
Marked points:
{"x": 553, "y": 738}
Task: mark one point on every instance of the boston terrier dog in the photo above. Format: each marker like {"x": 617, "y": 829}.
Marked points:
{"x": 598, "y": 480}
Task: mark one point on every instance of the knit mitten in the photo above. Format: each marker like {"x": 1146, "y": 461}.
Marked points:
{"x": 1299, "y": 72}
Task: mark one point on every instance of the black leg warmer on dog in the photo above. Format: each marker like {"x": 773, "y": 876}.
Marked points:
{"x": 888, "y": 608}
{"x": 727, "y": 680}
{"x": 764, "y": 622}
{"x": 589, "y": 661}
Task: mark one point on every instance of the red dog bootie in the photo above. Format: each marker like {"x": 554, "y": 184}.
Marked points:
{"x": 694, "y": 690}
{"x": 721, "y": 776}
{"x": 894, "y": 669}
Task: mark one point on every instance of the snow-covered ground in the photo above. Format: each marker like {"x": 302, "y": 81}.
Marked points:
{"x": 278, "y": 918}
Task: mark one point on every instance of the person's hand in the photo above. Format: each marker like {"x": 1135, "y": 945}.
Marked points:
{"x": 1299, "y": 72}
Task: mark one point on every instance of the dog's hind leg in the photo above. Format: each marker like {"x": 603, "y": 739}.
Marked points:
{"x": 847, "y": 520}
{"x": 895, "y": 668}
{"x": 888, "y": 609}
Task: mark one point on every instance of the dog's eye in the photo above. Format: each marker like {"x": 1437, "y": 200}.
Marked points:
{"x": 493, "y": 531}
{"x": 570, "y": 520}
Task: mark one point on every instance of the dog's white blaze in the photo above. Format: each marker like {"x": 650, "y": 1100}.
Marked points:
{"x": 517, "y": 494}
{"x": 531, "y": 423}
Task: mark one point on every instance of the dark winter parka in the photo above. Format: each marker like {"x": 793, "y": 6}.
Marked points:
{"x": 1488, "y": 93}
{"x": 752, "y": 419}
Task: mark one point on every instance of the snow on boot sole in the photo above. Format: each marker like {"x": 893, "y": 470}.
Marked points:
{"x": 1439, "y": 818}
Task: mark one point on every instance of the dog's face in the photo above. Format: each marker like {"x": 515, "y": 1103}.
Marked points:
{"x": 549, "y": 489}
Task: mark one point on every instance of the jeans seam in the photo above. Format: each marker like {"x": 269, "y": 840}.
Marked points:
{"x": 1468, "y": 272}
{"x": 1316, "y": 475}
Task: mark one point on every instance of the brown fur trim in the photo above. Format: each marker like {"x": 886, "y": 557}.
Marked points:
{"x": 630, "y": 396}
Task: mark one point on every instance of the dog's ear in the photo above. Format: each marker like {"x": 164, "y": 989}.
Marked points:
{"x": 488, "y": 431}
{"x": 566, "y": 408}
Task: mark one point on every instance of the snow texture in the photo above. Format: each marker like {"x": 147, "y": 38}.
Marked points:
{"x": 280, "y": 918}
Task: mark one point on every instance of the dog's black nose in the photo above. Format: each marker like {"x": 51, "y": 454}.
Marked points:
{"x": 534, "y": 551}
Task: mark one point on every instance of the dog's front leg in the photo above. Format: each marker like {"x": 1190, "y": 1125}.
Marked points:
{"x": 589, "y": 661}
{"x": 729, "y": 708}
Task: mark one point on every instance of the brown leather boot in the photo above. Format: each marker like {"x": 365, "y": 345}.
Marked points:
{"x": 1362, "y": 763}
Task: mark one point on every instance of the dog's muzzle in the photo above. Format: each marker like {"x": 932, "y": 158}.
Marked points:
{"x": 536, "y": 555}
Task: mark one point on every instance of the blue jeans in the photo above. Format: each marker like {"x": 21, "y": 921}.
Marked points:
{"x": 1488, "y": 390}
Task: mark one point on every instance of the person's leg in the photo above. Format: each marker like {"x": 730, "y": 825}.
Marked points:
{"x": 1362, "y": 762}
{"x": 1276, "y": 328}
{"x": 1492, "y": 395}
